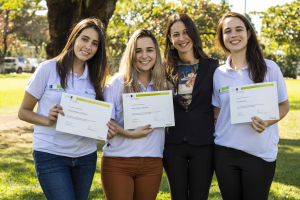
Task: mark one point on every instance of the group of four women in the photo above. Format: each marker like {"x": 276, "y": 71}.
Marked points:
{"x": 203, "y": 138}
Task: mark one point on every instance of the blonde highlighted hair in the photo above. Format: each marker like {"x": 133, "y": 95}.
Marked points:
{"x": 129, "y": 70}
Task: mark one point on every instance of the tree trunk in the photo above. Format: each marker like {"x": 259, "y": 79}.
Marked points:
{"x": 2, "y": 54}
{"x": 63, "y": 14}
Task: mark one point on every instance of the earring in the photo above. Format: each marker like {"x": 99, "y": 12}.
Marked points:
{"x": 172, "y": 47}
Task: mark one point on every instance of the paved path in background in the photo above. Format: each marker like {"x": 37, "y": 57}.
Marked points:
{"x": 11, "y": 124}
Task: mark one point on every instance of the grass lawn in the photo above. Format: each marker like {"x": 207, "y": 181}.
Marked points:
{"x": 17, "y": 174}
{"x": 12, "y": 91}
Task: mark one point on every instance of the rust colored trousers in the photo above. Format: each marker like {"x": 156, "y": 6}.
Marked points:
{"x": 135, "y": 178}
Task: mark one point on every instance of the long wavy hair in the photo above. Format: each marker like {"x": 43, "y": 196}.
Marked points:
{"x": 257, "y": 67}
{"x": 171, "y": 55}
{"x": 128, "y": 67}
{"x": 97, "y": 65}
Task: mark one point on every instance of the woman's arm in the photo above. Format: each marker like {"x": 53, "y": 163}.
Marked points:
{"x": 260, "y": 125}
{"x": 26, "y": 112}
{"x": 139, "y": 132}
{"x": 216, "y": 114}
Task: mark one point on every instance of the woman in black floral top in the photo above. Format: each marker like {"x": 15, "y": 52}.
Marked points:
{"x": 188, "y": 153}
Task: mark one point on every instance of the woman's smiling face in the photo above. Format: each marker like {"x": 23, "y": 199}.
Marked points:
{"x": 180, "y": 38}
{"x": 86, "y": 44}
{"x": 235, "y": 34}
{"x": 145, "y": 54}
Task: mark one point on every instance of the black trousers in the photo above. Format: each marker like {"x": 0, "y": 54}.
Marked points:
{"x": 242, "y": 176}
{"x": 189, "y": 170}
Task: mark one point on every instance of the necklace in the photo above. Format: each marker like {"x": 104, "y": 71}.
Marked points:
{"x": 187, "y": 64}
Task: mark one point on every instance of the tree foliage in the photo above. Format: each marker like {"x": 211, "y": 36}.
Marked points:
{"x": 131, "y": 15}
{"x": 11, "y": 40}
{"x": 282, "y": 23}
{"x": 36, "y": 32}
{"x": 16, "y": 15}
{"x": 281, "y": 26}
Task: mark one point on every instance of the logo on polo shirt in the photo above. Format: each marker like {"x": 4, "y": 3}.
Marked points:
{"x": 56, "y": 87}
{"x": 223, "y": 90}
{"x": 90, "y": 93}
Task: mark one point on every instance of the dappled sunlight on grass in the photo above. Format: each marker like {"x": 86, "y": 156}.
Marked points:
{"x": 214, "y": 192}
{"x": 11, "y": 94}
{"x": 16, "y": 76}
{"x": 281, "y": 191}
{"x": 288, "y": 162}
{"x": 289, "y": 127}
{"x": 293, "y": 87}
{"x": 17, "y": 175}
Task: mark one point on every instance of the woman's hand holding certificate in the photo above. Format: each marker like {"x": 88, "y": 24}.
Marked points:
{"x": 84, "y": 116}
{"x": 53, "y": 114}
{"x": 155, "y": 108}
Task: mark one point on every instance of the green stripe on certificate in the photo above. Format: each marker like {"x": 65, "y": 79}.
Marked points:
{"x": 94, "y": 102}
{"x": 152, "y": 94}
{"x": 257, "y": 86}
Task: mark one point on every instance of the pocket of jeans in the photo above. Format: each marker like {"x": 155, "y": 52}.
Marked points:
{"x": 92, "y": 157}
{"x": 45, "y": 162}
{"x": 40, "y": 156}
{"x": 34, "y": 160}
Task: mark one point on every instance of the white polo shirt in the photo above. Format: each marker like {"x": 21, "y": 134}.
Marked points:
{"x": 119, "y": 146}
{"x": 44, "y": 85}
{"x": 242, "y": 136}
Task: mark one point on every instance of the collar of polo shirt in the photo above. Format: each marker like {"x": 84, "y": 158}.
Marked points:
{"x": 227, "y": 65}
{"x": 150, "y": 84}
{"x": 85, "y": 73}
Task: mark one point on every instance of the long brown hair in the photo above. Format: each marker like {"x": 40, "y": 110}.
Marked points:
{"x": 171, "y": 55}
{"x": 97, "y": 65}
{"x": 257, "y": 67}
{"x": 129, "y": 69}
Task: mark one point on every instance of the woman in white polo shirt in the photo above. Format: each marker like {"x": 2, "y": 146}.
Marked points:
{"x": 131, "y": 167}
{"x": 245, "y": 154}
{"x": 65, "y": 163}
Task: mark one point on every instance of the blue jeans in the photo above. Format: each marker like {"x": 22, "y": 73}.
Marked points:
{"x": 63, "y": 177}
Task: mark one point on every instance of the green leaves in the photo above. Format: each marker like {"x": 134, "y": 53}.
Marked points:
{"x": 282, "y": 23}
{"x": 281, "y": 36}
{"x": 132, "y": 15}
{"x": 12, "y": 4}
{"x": 14, "y": 15}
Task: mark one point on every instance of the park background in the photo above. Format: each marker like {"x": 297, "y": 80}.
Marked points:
{"x": 36, "y": 28}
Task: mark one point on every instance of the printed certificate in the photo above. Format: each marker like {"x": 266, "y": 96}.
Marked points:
{"x": 84, "y": 116}
{"x": 155, "y": 108}
{"x": 259, "y": 100}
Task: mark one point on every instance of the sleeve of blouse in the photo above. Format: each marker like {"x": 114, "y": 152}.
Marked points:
{"x": 215, "y": 97}
{"x": 38, "y": 81}
{"x": 112, "y": 94}
{"x": 277, "y": 76}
